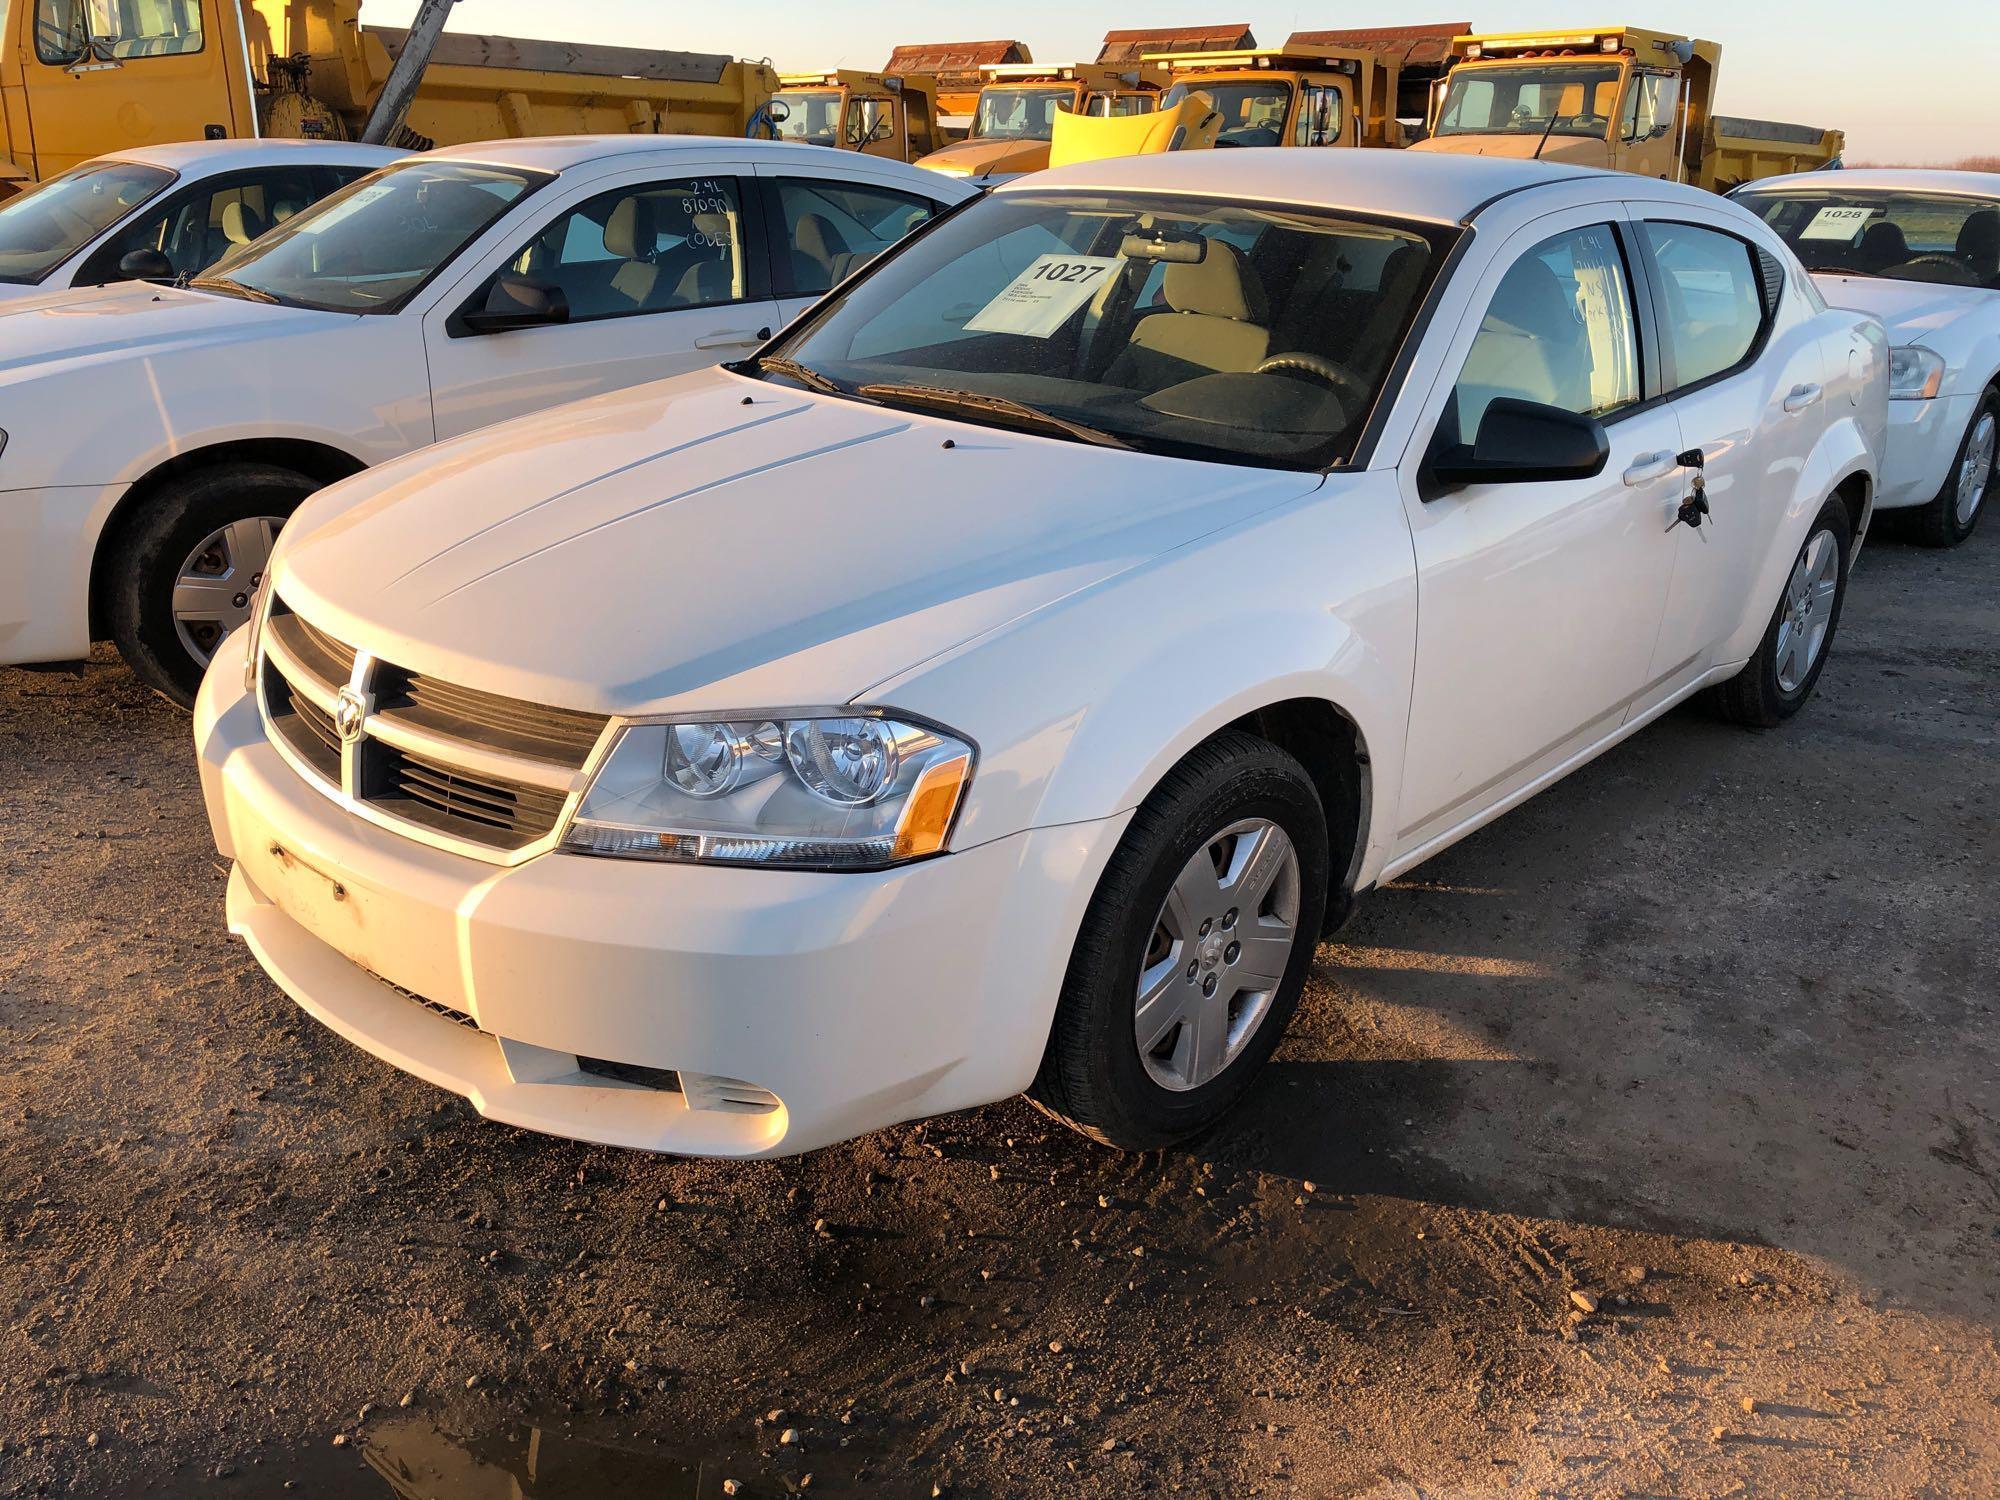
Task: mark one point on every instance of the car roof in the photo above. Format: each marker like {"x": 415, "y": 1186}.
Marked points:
{"x": 1912, "y": 179}
{"x": 203, "y": 157}
{"x": 561, "y": 153}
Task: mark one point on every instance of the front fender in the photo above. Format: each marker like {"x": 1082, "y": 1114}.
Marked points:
{"x": 1081, "y": 708}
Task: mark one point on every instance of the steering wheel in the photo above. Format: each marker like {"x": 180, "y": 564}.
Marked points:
{"x": 1319, "y": 367}
{"x": 1966, "y": 276}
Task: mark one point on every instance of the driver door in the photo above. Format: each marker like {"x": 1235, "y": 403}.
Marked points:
{"x": 1538, "y": 603}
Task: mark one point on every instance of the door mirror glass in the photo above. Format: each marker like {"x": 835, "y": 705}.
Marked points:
{"x": 515, "y": 301}
{"x": 145, "y": 264}
{"x": 1521, "y": 442}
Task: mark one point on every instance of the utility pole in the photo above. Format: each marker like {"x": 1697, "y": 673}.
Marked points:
{"x": 386, "y": 118}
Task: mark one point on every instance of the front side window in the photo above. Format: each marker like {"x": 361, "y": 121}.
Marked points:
{"x": 870, "y": 118}
{"x": 812, "y": 117}
{"x": 1201, "y": 329}
{"x": 370, "y": 247}
{"x": 1253, "y": 114}
{"x": 652, "y": 247}
{"x": 1715, "y": 297}
{"x": 1650, "y": 106}
{"x": 1019, "y": 114}
{"x": 1559, "y": 332}
{"x": 199, "y": 226}
{"x": 834, "y": 229}
{"x": 46, "y": 225}
{"x": 73, "y": 31}
{"x": 1319, "y": 116}
{"x": 1944, "y": 237}
{"x": 1530, "y": 99}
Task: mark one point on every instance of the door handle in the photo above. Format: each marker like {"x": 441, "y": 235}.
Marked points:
{"x": 1802, "y": 396}
{"x": 733, "y": 338}
{"x": 1650, "y": 466}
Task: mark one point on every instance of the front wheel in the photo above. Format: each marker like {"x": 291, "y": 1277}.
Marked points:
{"x": 1775, "y": 683}
{"x": 1950, "y": 516}
{"x": 1194, "y": 950}
{"x": 186, "y": 569}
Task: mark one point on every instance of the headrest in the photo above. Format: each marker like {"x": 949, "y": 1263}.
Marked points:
{"x": 631, "y": 233}
{"x": 1532, "y": 299}
{"x": 1979, "y": 240}
{"x": 712, "y": 231}
{"x": 1218, "y": 285}
{"x": 241, "y": 223}
{"x": 817, "y": 239}
{"x": 1883, "y": 242}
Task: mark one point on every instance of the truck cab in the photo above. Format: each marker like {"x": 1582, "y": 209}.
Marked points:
{"x": 877, "y": 114}
{"x": 1014, "y": 120}
{"x": 1276, "y": 97}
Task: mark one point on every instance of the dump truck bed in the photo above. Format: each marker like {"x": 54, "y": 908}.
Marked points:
{"x": 1743, "y": 150}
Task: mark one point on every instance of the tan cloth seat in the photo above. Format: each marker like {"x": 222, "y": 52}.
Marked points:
{"x": 1215, "y": 322}
{"x": 241, "y": 223}
{"x": 632, "y": 235}
{"x": 1531, "y": 345}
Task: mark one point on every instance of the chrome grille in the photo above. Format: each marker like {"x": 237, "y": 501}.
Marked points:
{"x": 429, "y": 757}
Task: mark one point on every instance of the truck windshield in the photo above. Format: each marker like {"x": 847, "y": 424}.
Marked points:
{"x": 1240, "y": 334}
{"x": 45, "y": 226}
{"x": 813, "y": 118}
{"x": 1253, "y": 114}
{"x": 1943, "y": 237}
{"x": 370, "y": 247}
{"x": 1020, "y": 114}
{"x": 1519, "y": 100}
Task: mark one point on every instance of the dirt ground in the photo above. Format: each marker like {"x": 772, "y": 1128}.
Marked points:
{"x": 1646, "y": 1143}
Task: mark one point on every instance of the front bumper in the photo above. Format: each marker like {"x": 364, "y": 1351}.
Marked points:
{"x": 1923, "y": 440}
{"x": 855, "y": 1001}
{"x": 47, "y": 541}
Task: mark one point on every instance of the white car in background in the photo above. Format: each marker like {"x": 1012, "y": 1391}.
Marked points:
{"x": 157, "y": 436}
{"x": 1002, "y": 680}
{"x": 156, "y": 213}
{"x": 1921, "y": 251}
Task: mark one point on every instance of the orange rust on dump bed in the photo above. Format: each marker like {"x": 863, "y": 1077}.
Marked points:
{"x": 1130, "y": 46}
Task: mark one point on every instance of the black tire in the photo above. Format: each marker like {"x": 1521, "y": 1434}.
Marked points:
{"x": 146, "y": 560}
{"x": 1756, "y": 696}
{"x": 1937, "y": 524}
{"x": 1092, "y": 1075}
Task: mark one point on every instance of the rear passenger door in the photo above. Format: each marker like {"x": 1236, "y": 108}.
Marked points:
{"x": 1748, "y": 390}
{"x": 826, "y": 227}
{"x": 662, "y": 275}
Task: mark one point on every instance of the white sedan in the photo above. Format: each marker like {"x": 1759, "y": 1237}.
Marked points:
{"x": 1004, "y": 679}
{"x": 155, "y": 213}
{"x": 1921, "y": 251}
{"x": 155, "y": 437}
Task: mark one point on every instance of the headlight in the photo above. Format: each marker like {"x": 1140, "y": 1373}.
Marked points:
{"x": 853, "y": 791}
{"x": 1915, "y": 374}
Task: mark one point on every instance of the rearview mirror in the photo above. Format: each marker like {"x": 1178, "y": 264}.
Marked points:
{"x": 145, "y": 264}
{"x": 1524, "y": 442}
{"x": 515, "y": 301}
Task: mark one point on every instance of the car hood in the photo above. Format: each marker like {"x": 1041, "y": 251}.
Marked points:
{"x": 1910, "y": 310}
{"x": 990, "y": 158}
{"x": 134, "y": 319}
{"x": 715, "y": 542}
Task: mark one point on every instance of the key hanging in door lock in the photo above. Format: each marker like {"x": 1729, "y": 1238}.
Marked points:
{"x": 1694, "y": 509}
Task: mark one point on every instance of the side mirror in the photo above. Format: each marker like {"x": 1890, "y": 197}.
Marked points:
{"x": 145, "y": 264}
{"x": 1524, "y": 442}
{"x": 515, "y": 301}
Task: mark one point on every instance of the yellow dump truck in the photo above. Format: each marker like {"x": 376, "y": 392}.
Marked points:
{"x": 880, "y": 114}
{"x": 80, "y": 78}
{"x": 1017, "y": 112}
{"x": 1274, "y": 96}
{"x": 1612, "y": 96}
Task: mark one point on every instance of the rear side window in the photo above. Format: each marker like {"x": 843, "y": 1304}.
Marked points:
{"x": 1718, "y": 297}
{"x": 1559, "y": 332}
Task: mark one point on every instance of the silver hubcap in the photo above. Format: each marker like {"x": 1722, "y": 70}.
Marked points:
{"x": 1217, "y": 954}
{"x": 1976, "y": 472}
{"x": 213, "y": 589}
{"x": 1808, "y": 609}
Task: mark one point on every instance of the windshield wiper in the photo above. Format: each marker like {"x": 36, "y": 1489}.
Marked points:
{"x": 233, "y": 288}
{"x": 1003, "y": 406}
{"x": 806, "y": 375}
{"x": 1842, "y": 271}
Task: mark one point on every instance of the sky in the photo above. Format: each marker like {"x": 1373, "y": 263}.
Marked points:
{"x": 1922, "y": 91}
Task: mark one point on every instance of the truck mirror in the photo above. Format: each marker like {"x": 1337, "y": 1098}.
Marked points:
{"x": 145, "y": 264}
{"x": 514, "y": 301}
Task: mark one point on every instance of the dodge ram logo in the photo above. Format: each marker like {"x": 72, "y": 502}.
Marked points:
{"x": 349, "y": 715}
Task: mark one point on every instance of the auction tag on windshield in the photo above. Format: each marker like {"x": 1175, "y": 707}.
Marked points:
{"x": 348, "y": 207}
{"x": 1837, "y": 223}
{"x": 1041, "y": 299}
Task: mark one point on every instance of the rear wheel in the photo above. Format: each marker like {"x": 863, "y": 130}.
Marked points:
{"x": 1194, "y": 949}
{"x": 1776, "y": 682}
{"x": 1951, "y": 515}
{"x": 184, "y": 572}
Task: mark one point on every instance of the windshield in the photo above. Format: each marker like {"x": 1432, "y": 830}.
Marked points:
{"x": 1253, "y": 114}
{"x": 1020, "y": 114}
{"x": 1519, "y": 100}
{"x": 1949, "y": 238}
{"x": 370, "y": 247}
{"x": 43, "y": 227}
{"x": 812, "y": 118}
{"x": 1248, "y": 335}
